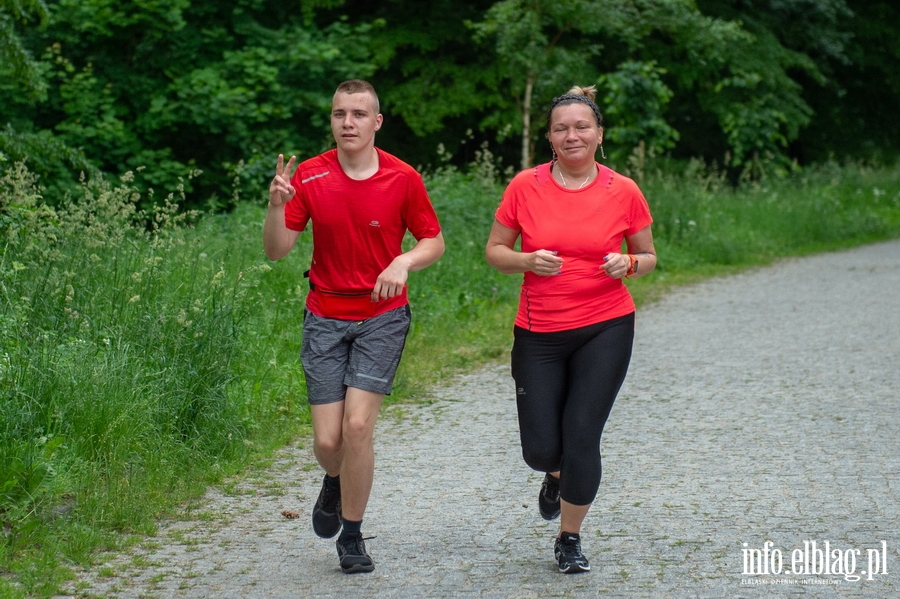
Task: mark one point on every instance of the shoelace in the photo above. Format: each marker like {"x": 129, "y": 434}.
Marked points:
{"x": 354, "y": 543}
{"x": 570, "y": 548}
{"x": 332, "y": 495}
{"x": 551, "y": 491}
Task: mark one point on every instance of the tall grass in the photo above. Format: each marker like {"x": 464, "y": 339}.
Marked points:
{"x": 704, "y": 225}
{"x": 118, "y": 342}
{"x": 146, "y": 354}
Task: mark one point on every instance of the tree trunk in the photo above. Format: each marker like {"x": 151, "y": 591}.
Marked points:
{"x": 526, "y": 123}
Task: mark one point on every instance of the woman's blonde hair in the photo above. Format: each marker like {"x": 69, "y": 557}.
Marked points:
{"x": 577, "y": 93}
{"x": 589, "y": 92}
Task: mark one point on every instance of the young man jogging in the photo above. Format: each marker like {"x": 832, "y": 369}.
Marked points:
{"x": 361, "y": 201}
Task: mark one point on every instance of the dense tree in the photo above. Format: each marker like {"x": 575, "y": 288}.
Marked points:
{"x": 436, "y": 86}
{"x": 180, "y": 85}
{"x": 18, "y": 65}
{"x": 543, "y": 43}
{"x": 855, "y": 106}
{"x": 176, "y": 86}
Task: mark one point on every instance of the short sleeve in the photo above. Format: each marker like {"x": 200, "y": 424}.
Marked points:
{"x": 507, "y": 213}
{"x": 296, "y": 211}
{"x": 421, "y": 218}
{"x": 639, "y": 211}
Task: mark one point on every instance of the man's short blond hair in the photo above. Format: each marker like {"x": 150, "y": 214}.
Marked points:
{"x": 359, "y": 86}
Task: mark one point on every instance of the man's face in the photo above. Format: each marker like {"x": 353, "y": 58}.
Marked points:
{"x": 354, "y": 121}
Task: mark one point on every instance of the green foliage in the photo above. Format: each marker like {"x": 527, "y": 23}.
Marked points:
{"x": 106, "y": 18}
{"x": 755, "y": 101}
{"x": 634, "y": 99}
{"x": 858, "y": 96}
{"x": 118, "y": 338}
{"x": 539, "y": 45}
{"x": 222, "y": 87}
{"x": 17, "y": 62}
{"x": 188, "y": 86}
{"x": 435, "y": 85}
{"x": 462, "y": 308}
{"x": 711, "y": 223}
{"x": 761, "y": 100}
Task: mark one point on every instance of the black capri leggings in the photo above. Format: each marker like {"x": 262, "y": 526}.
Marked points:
{"x": 566, "y": 383}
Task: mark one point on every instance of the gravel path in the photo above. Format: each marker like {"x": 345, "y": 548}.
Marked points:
{"x": 759, "y": 407}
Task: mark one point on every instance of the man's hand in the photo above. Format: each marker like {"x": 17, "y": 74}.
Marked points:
{"x": 280, "y": 190}
{"x": 392, "y": 280}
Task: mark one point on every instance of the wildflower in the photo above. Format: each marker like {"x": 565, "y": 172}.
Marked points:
{"x": 183, "y": 319}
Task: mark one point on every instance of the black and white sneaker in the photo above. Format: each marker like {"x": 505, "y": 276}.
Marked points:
{"x": 353, "y": 555}
{"x": 568, "y": 554}
{"x": 548, "y": 498}
{"x": 326, "y": 515}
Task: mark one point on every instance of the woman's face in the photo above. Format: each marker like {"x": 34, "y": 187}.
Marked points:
{"x": 574, "y": 133}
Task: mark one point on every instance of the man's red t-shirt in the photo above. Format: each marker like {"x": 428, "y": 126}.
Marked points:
{"x": 358, "y": 229}
{"x": 582, "y": 226}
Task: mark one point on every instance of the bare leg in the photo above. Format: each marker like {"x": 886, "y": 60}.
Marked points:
{"x": 572, "y": 516}
{"x": 358, "y": 461}
{"x": 328, "y": 441}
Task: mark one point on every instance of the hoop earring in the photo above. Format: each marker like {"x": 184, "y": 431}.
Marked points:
{"x": 602, "y": 153}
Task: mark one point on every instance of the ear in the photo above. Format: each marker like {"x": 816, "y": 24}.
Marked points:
{"x": 379, "y": 119}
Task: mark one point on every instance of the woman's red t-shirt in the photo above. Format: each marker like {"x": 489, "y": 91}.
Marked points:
{"x": 582, "y": 226}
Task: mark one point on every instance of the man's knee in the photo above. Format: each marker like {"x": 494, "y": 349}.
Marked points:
{"x": 328, "y": 442}
{"x": 358, "y": 428}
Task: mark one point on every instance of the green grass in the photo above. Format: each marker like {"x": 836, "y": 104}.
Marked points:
{"x": 143, "y": 359}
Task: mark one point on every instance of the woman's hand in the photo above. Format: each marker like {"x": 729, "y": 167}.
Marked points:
{"x": 616, "y": 265}
{"x": 544, "y": 262}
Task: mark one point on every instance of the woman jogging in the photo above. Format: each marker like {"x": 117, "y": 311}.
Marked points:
{"x": 575, "y": 323}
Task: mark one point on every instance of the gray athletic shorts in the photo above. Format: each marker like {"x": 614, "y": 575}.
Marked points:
{"x": 364, "y": 354}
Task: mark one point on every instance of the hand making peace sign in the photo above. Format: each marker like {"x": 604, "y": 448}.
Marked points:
{"x": 280, "y": 190}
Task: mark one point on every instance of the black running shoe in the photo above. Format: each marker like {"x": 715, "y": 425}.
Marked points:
{"x": 353, "y": 555}
{"x": 569, "y": 556}
{"x": 548, "y": 499}
{"x": 326, "y": 515}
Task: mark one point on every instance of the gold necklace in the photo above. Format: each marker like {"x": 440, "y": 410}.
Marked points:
{"x": 583, "y": 183}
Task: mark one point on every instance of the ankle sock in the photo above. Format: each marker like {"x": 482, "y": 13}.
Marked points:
{"x": 349, "y": 527}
